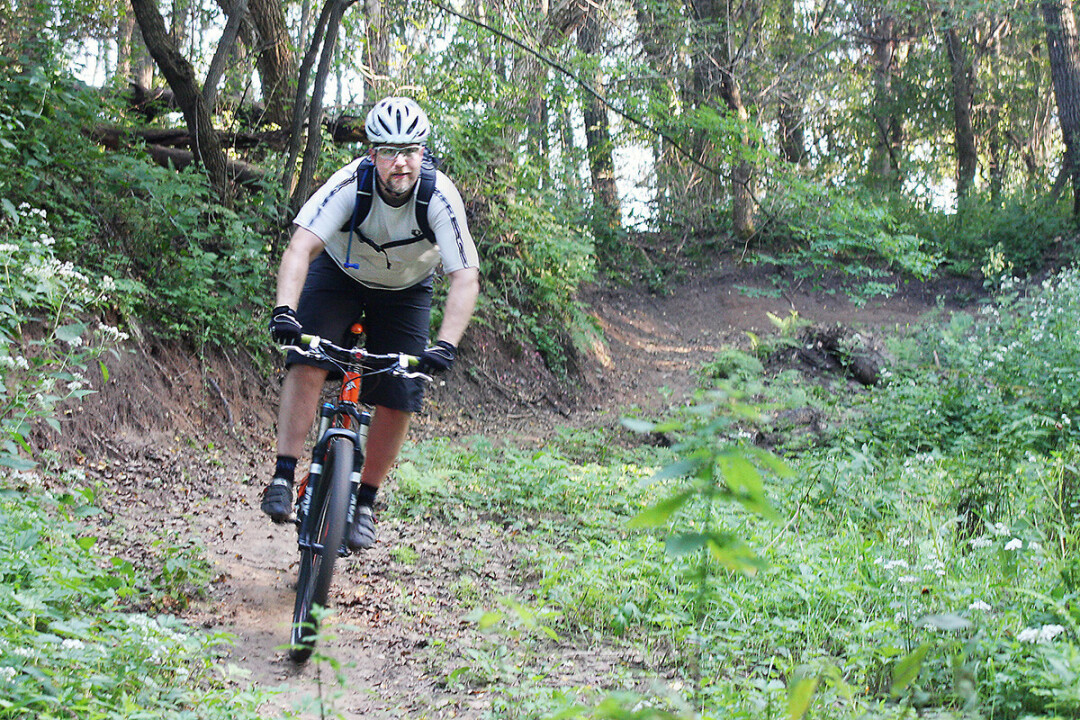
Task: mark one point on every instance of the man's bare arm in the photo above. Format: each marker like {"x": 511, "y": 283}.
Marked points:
{"x": 460, "y": 303}
{"x": 304, "y": 247}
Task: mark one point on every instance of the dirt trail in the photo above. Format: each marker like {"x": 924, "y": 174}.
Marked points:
{"x": 399, "y": 626}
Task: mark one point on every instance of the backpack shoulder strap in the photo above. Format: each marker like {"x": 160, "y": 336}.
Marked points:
{"x": 365, "y": 186}
{"x": 423, "y": 197}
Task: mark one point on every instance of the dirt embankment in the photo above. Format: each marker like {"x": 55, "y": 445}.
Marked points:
{"x": 182, "y": 447}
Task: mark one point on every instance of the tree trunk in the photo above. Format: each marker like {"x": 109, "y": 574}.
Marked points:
{"x": 274, "y": 59}
{"x": 606, "y": 213}
{"x": 963, "y": 98}
{"x": 790, "y": 109}
{"x": 377, "y": 52}
{"x": 888, "y": 136}
{"x": 181, "y": 78}
{"x": 718, "y": 72}
{"x": 1064, "y": 51}
{"x": 221, "y": 55}
{"x": 315, "y": 109}
{"x": 124, "y": 31}
{"x": 657, "y": 32}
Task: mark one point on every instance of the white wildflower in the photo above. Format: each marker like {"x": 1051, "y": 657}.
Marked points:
{"x": 8, "y": 673}
{"x": 937, "y": 567}
{"x": 1043, "y": 634}
{"x": 894, "y": 564}
{"x": 1049, "y": 632}
{"x": 908, "y": 579}
{"x": 112, "y": 333}
{"x": 1028, "y": 635}
{"x": 1000, "y": 529}
{"x": 981, "y": 542}
{"x": 72, "y": 644}
{"x": 979, "y": 605}
{"x": 1014, "y": 544}
{"x": 8, "y": 248}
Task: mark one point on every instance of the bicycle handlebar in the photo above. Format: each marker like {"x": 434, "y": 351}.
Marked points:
{"x": 319, "y": 348}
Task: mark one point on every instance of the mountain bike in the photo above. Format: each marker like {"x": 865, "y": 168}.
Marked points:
{"x": 326, "y": 498}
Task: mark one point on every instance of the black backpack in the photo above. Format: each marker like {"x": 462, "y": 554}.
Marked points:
{"x": 365, "y": 187}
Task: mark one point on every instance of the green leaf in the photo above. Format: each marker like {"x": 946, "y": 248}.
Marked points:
{"x": 799, "y": 697}
{"x": 682, "y": 468}
{"x": 9, "y": 208}
{"x": 69, "y": 333}
{"x": 947, "y": 621}
{"x": 489, "y": 620}
{"x": 770, "y": 461}
{"x": 104, "y": 371}
{"x": 661, "y": 512}
{"x": 732, "y": 553}
{"x": 685, "y": 543}
{"x": 639, "y": 426}
{"x": 86, "y": 542}
{"x": 17, "y": 463}
{"x": 905, "y": 671}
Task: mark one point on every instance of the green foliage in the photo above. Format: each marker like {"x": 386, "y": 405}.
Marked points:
{"x": 1008, "y": 376}
{"x": 924, "y": 560}
{"x": 175, "y": 258}
{"x": 45, "y": 349}
{"x": 734, "y": 365}
{"x": 1022, "y": 229}
{"x": 534, "y": 255}
{"x": 818, "y": 229}
{"x": 69, "y": 646}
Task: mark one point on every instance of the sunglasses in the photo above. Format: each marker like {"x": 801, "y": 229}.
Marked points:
{"x": 390, "y": 152}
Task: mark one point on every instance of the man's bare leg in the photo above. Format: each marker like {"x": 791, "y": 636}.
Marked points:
{"x": 385, "y": 438}
{"x": 296, "y": 411}
{"x": 299, "y": 397}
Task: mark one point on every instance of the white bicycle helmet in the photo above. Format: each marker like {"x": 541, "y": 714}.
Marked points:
{"x": 397, "y": 121}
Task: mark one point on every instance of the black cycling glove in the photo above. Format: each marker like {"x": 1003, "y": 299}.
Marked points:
{"x": 284, "y": 327}
{"x": 437, "y": 358}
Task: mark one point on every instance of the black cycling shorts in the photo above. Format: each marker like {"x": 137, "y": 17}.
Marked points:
{"x": 393, "y": 320}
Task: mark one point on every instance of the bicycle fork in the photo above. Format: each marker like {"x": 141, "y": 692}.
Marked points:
{"x": 358, "y": 464}
{"x": 326, "y": 433}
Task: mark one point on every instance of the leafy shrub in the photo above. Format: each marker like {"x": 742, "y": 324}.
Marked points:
{"x": 734, "y": 365}
{"x": 68, "y": 646}
{"x": 45, "y": 345}
{"x": 816, "y": 228}
{"x": 181, "y": 261}
{"x": 1022, "y": 229}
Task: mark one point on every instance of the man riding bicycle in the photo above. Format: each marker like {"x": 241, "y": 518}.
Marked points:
{"x": 340, "y": 268}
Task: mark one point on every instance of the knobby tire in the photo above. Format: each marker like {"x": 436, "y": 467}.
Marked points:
{"x": 317, "y": 567}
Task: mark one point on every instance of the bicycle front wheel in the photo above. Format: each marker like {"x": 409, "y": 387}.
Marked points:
{"x": 317, "y": 559}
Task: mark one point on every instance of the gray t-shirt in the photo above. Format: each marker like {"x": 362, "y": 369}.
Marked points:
{"x": 389, "y": 268}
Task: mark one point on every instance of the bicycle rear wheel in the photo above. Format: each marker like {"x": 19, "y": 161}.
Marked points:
{"x": 317, "y": 560}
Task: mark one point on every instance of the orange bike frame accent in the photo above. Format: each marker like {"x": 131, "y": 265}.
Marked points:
{"x": 350, "y": 384}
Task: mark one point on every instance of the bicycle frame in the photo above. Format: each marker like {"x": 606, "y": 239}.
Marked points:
{"x": 346, "y": 418}
{"x": 327, "y": 496}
